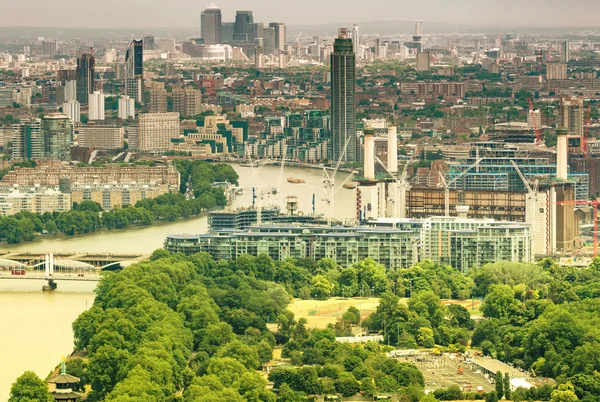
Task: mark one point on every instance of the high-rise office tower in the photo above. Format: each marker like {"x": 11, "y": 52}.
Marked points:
{"x": 571, "y": 115}
{"x": 564, "y": 53}
{"x": 26, "y": 139}
{"x": 280, "y": 35}
{"x": 56, "y": 137}
{"x": 85, "y": 76}
{"x": 269, "y": 40}
{"x": 158, "y": 100}
{"x": 96, "y": 108}
{"x": 243, "y": 28}
{"x": 343, "y": 108}
{"x": 126, "y": 107}
{"x": 134, "y": 70}
{"x": 210, "y": 25}
{"x": 227, "y": 31}
{"x": 72, "y": 110}
{"x": 355, "y": 39}
{"x": 417, "y": 37}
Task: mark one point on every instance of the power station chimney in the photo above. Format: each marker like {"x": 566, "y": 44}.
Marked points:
{"x": 392, "y": 149}
{"x": 462, "y": 211}
{"x": 369, "y": 160}
{"x": 562, "y": 147}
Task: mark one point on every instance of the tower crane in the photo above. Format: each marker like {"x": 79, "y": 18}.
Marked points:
{"x": 446, "y": 185}
{"x": 532, "y": 195}
{"x": 329, "y": 183}
{"x": 261, "y": 191}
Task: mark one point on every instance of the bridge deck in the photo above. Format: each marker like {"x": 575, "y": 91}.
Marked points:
{"x": 56, "y": 277}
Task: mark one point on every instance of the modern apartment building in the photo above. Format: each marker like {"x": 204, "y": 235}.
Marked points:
{"x": 343, "y": 107}
{"x": 36, "y": 200}
{"x": 460, "y": 242}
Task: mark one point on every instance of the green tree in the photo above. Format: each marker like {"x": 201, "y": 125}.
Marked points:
{"x": 499, "y": 301}
{"x": 506, "y": 383}
{"x": 347, "y": 385}
{"x": 321, "y": 287}
{"x": 564, "y": 393}
{"x": 29, "y": 388}
{"x": 499, "y": 385}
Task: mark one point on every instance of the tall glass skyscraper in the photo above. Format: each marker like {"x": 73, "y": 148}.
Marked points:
{"x": 343, "y": 107}
{"x": 85, "y": 77}
{"x": 210, "y": 25}
{"x": 134, "y": 70}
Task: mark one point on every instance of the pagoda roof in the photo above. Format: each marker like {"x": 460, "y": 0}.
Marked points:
{"x": 63, "y": 378}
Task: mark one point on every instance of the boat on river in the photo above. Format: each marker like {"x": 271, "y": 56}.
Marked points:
{"x": 350, "y": 186}
{"x": 295, "y": 180}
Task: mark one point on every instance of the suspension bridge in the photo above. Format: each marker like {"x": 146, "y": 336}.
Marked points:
{"x": 51, "y": 268}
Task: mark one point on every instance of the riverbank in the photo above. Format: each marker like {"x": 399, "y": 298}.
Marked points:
{"x": 59, "y": 235}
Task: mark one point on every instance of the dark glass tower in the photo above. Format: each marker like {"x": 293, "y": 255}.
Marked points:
{"x": 85, "y": 77}
{"x": 134, "y": 70}
{"x": 343, "y": 108}
{"x": 244, "y": 26}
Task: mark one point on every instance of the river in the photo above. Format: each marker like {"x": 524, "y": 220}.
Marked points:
{"x": 37, "y": 325}
{"x": 145, "y": 240}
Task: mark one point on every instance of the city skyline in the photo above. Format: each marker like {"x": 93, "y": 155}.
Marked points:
{"x": 508, "y": 14}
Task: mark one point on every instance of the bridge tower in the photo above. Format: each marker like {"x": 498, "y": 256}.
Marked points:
{"x": 49, "y": 272}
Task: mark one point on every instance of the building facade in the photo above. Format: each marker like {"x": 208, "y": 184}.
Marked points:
{"x": 57, "y": 137}
{"x": 187, "y": 101}
{"x": 343, "y": 106}
{"x": 210, "y": 25}
{"x": 96, "y": 108}
{"x": 34, "y": 199}
{"x": 156, "y": 130}
{"x": 134, "y": 71}
{"x": 126, "y": 108}
{"x": 111, "y": 196}
{"x": 85, "y": 77}
{"x": 51, "y": 176}
{"x": 101, "y": 137}
{"x": 27, "y": 139}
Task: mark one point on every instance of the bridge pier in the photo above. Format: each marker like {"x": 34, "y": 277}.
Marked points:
{"x": 51, "y": 285}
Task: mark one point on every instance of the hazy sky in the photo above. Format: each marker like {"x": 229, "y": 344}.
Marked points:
{"x": 186, "y": 13}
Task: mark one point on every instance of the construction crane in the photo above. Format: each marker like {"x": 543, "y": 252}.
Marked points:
{"x": 329, "y": 183}
{"x": 260, "y": 193}
{"x": 446, "y": 186}
{"x": 594, "y": 204}
{"x": 280, "y": 181}
{"x": 532, "y": 195}
{"x": 538, "y": 133}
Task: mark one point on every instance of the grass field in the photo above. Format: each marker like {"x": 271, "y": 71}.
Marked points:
{"x": 320, "y": 313}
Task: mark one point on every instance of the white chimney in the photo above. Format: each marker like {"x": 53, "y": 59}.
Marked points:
{"x": 562, "y": 147}
{"x": 392, "y": 149}
{"x": 462, "y": 211}
{"x": 369, "y": 168}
